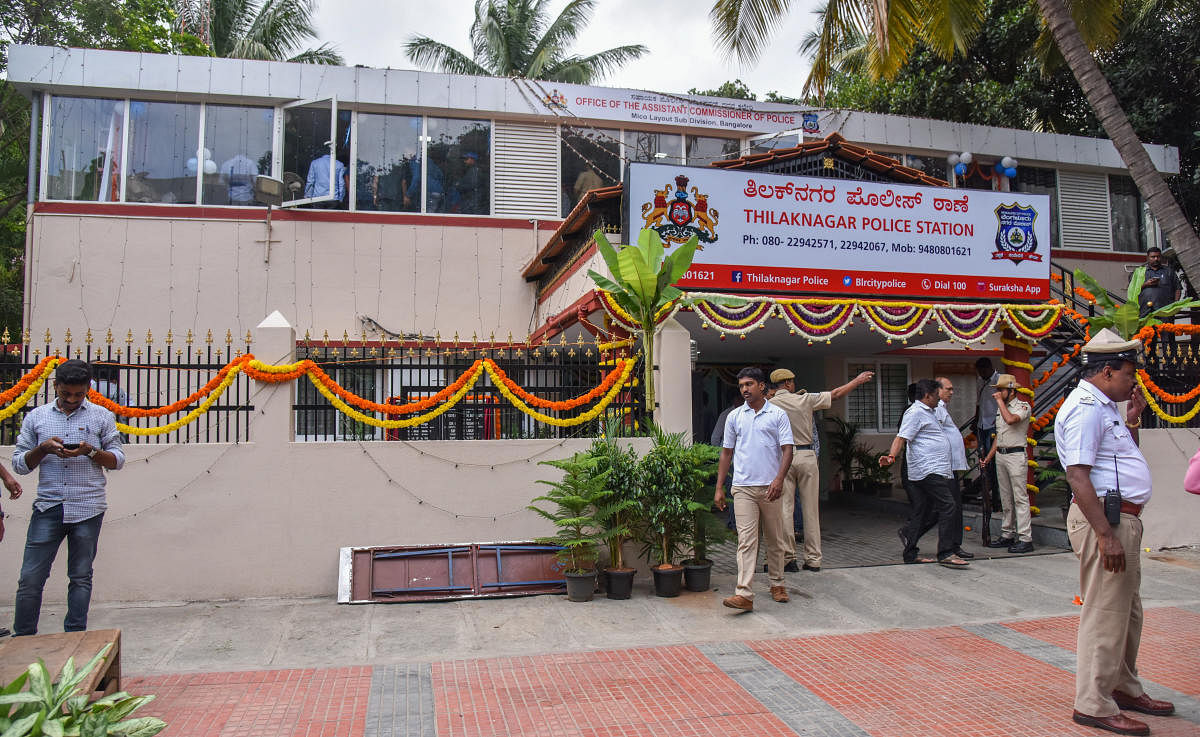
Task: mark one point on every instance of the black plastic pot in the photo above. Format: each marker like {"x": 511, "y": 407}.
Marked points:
{"x": 697, "y": 576}
{"x": 667, "y": 580}
{"x": 581, "y": 586}
{"x": 620, "y": 582}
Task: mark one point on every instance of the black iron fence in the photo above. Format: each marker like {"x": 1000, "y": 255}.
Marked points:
{"x": 1174, "y": 365}
{"x": 403, "y": 373}
{"x": 143, "y": 374}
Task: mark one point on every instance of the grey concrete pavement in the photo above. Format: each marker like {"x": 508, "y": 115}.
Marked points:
{"x": 178, "y": 637}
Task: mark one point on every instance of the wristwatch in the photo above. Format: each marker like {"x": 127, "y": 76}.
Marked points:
{"x": 92, "y": 453}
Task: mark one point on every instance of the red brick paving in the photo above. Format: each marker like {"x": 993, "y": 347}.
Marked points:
{"x": 658, "y": 691}
{"x": 280, "y": 703}
{"x": 937, "y": 682}
{"x": 1170, "y": 650}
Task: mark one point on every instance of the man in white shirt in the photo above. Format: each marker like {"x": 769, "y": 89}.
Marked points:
{"x": 758, "y": 441}
{"x": 1099, "y": 449}
{"x": 929, "y": 470}
{"x": 958, "y": 459}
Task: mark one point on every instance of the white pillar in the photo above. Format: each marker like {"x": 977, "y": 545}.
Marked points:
{"x": 273, "y": 419}
{"x": 673, "y": 378}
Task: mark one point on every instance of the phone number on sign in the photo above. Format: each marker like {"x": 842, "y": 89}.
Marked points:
{"x": 698, "y": 275}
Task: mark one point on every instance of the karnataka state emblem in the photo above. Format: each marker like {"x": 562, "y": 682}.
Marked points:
{"x": 1015, "y": 239}
{"x": 683, "y": 217}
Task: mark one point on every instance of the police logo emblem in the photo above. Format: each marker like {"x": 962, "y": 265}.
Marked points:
{"x": 1015, "y": 239}
{"x": 685, "y": 217}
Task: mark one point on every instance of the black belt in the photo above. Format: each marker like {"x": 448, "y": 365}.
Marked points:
{"x": 1018, "y": 449}
{"x": 804, "y": 447}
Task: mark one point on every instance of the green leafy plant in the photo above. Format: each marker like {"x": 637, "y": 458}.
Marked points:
{"x": 575, "y": 499}
{"x": 617, "y": 514}
{"x": 59, "y": 709}
{"x": 707, "y": 529}
{"x": 668, "y": 475}
{"x": 867, "y": 468}
{"x": 1124, "y": 318}
{"x": 642, "y": 277}
{"x": 843, "y": 440}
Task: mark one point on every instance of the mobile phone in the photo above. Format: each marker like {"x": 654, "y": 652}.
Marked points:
{"x": 71, "y": 446}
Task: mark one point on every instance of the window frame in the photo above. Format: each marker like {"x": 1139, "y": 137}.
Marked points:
{"x": 877, "y": 386}
{"x": 281, "y": 124}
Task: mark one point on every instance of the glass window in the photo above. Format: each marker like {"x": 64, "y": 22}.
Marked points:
{"x": 388, "y": 169}
{"x": 308, "y": 153}
{"x": 978, "y": 176}
{"x": 701, "y": 150}
{"x": 240, "y": 141}
{"x": 880, "y": 404}
{"x": 771, "y": 143}
{"x": 934, "y": 166}
{"x": 458, "y": 170}
{"x": 1132, "y": 229}
{"x": 665, "y": 148}
{"x": 164, "y": 152}
{"x": 1036, "y": 180}
{"x": 591, "y": 158}
{"x": 84, "y": 149}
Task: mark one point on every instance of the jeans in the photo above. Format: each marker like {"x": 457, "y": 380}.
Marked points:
{"x": 932, "y": 497}
{"x": 46, "y": 533}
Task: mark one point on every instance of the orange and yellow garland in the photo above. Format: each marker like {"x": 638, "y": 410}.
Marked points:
{"x": 17, "y": 396}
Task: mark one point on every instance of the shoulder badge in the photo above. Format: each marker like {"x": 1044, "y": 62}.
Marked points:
{"x": 1087, "y": 399}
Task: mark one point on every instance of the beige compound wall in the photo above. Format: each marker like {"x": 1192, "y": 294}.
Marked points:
{"x": 155, "y": 273}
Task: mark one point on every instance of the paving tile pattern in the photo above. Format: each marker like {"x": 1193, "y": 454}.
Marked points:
{"x": 944, "y": 681}
{"x": 658, "y": 691}
{"x": 401, "y": 702}
{"x": 278, "y": 703}
{"x": 1169, "y": 653}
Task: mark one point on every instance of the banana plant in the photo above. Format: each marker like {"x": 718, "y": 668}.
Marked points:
{"x": 642, "y": 283}
{"x": 1124, "y": 318}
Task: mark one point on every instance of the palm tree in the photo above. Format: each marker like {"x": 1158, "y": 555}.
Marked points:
{"x": 515, "y": 38}
{"x": 270, "y": 30}
{"x": 892, "y": 28}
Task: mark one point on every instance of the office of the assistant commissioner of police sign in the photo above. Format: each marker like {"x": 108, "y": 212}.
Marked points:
{"x": 767, "y": 232}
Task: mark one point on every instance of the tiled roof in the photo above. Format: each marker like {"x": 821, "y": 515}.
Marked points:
{"x": 575, "y": 221}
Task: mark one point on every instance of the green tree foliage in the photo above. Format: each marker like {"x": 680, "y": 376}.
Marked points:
{"x": 517, "y": 38}
{"x": 736, "y": 90}
{"x": 133, "y": 25}
{"x": 268, "y": 30}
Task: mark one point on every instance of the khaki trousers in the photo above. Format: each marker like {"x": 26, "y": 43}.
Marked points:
{"x": 804, "y": 474}
{"x": 755, "y": 513}
{"x": 1011, "y": 473}
{"x": 1110, "y": 625}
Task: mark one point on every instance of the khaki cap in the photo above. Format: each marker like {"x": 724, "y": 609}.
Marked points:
{"x": 1106, "y": 345}
{"x": 779, "y": 375}
{"x": 1006, "y": 381}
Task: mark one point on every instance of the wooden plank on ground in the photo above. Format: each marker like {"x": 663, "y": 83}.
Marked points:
{"x": 17, "y": 653}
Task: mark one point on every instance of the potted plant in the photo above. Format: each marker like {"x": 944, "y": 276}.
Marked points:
{"x": 874, "y": 479}
{"x": 843, "y": 442}
{"x": 617, "y": 514}
{"x": 668, "y": 508}
{"x": 706, "y": 528}
{"x": 575, "y": 499}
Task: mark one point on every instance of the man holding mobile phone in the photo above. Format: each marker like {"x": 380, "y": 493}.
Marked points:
{"x": 1161, "y": 286}
{"x": 1099, "y": 450}
{"x": 71, "y": 441}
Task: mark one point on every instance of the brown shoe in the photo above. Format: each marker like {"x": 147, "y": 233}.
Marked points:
{"x": 1144, "y": 704}
{"x": 739, "y": 602}
{"x": 1118, "y": 723}
{"x": 779, "y": 594}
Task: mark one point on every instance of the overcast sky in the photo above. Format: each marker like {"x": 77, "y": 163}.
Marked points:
{"x": 677, "y": 33}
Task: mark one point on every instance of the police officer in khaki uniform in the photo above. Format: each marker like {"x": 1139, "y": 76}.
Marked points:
{"x": 1099, "y": 449}
{"x": 804, "y": 475}
{"x": 1012, "y": 431}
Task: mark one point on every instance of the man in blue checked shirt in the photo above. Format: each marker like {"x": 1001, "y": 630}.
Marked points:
{"x": 72, "y": 441}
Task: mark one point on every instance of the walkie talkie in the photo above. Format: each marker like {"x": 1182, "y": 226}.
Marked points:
{"x": 1112, "y": 499}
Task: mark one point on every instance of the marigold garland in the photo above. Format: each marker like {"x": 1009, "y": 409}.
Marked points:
{"x": 23, "y": 383}
{"x": 1149, "y": 384}
{"x": 567, "y": 404}
{"x": 585, "y": 417}
{"x": 1174, "y": 419}
{"x": 190, "y": 417}
{"x": 122, "y": 411}
{"x": 31, "y": 388}
{"x": 346, "y": 409}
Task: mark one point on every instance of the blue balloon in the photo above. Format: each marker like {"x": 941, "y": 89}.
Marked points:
{"x": 1010, "y": 172}
{"x": 960, "y": 169}
{"x": 999, "y": 168}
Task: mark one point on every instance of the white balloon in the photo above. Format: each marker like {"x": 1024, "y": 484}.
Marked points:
{"x": 210, "y": 167}
{"x": 965, "y": 157}
{"x": 191, "y": 165}
{"x": 1008, "y": 162}
{"x": 205, "y": 153}
{"x": 952, "y": 159}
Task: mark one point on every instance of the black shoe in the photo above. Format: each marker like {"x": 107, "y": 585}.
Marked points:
{"x": 814, "y": 569}
{"x": 964, "y": 554}
{"x": 764, "y": 567}
{"x": 1002, "y": 542}
{"x": 5, "y": 632}
{"x": 791, "y": 567}
{"x": 1021, "y": 547}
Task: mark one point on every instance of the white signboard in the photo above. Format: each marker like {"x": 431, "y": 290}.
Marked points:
{"x": 768, "y": 232}
{"x": 653, "y": 108}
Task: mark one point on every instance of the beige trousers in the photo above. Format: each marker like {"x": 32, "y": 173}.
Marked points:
{"x": 1110, "y": 625}
{"x": 804, "y": 474}
{"x": 1011, "y": 473}
{"x": 754, "y": 513}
